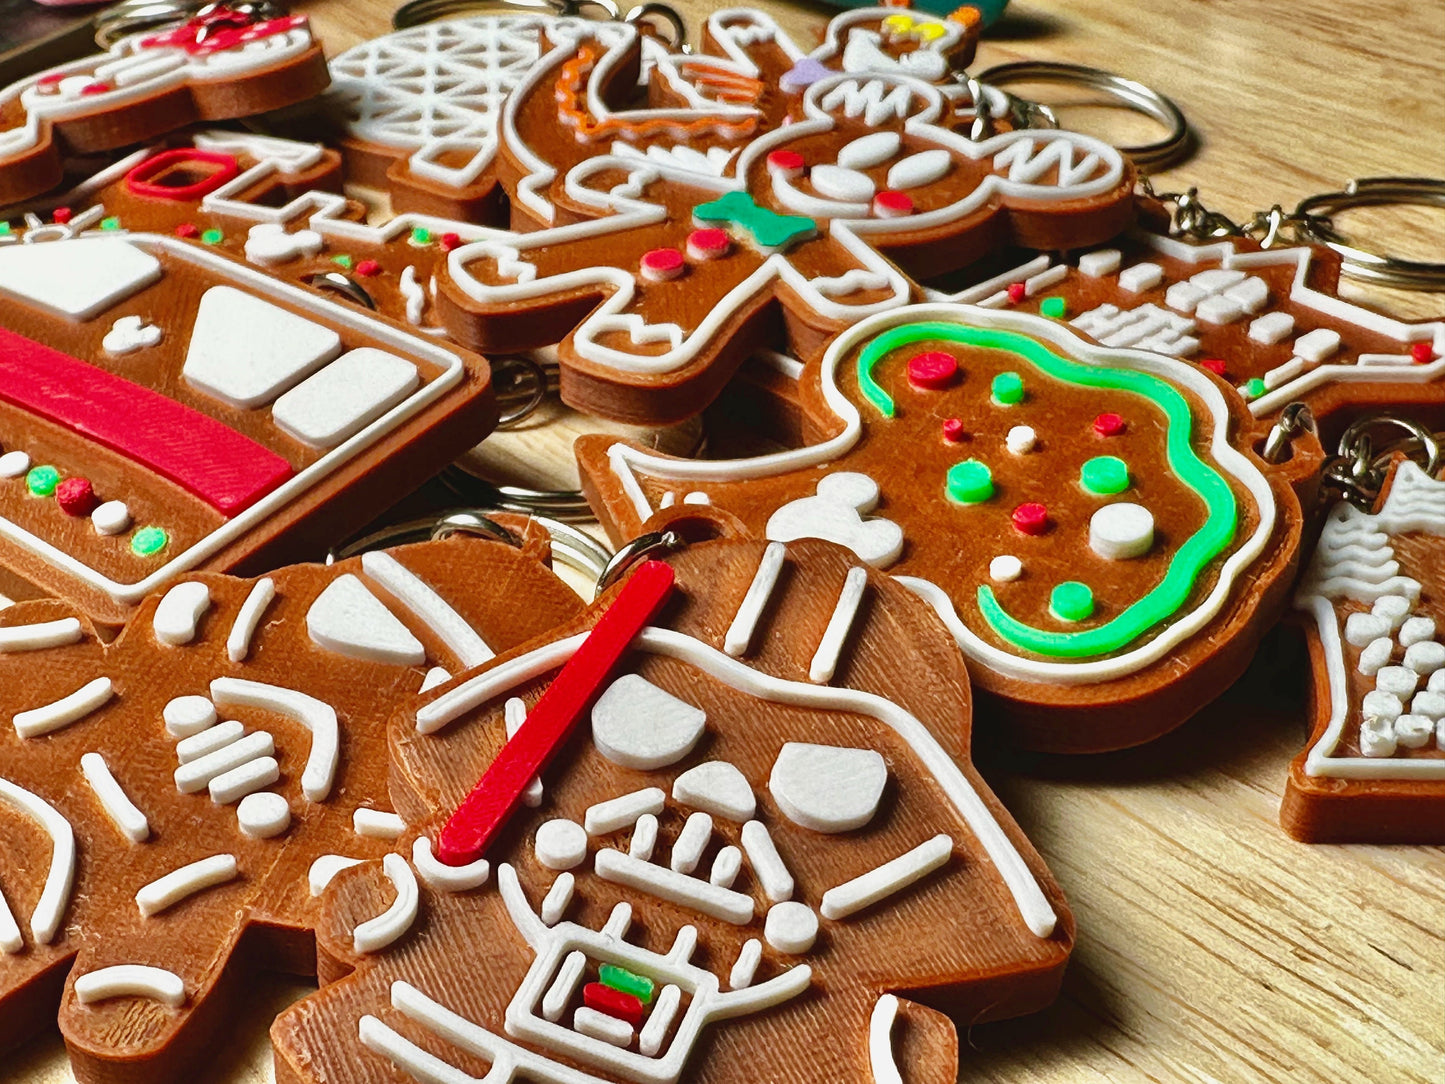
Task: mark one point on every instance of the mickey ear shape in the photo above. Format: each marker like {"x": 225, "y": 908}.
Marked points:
{"x": 826, "y": 787}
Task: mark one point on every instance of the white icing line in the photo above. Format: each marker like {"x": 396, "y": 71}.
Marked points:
{"x": 377, "y": 823}
{"x": 40, "y": 635}
{"x": 720, "y": 903}
{"x": 316, "y": 716}
{"x": 767, "y": 863}
{"x": 554, "y": 1003}
{"x": 244, "y": 779}
{"x": 238, "y": 640}
{"x": 740, "y": 632}
{"x": 49, "y": 909}
{"x": 617, "y": 813}
{"x": 197, "y": 774}
{"x": 691, "y": 841}
{"x": 644, "y": 838}
{"x": 131, "y": 980}
{"x": 129, "y": 820}
{"x": 825, "y": 660}
{"x": 600, "y": 1026}
{"x": 880, "y": 1041}
{"x": 514, "y": 714}
{"x": 92, "y": 696}
{"x": 325, "y": 868}
{"x": 725, "y": 867}
{"x": 175, "y": 886}
{"x": 11, "y": 940}
{"x": 660, "y": 1019}
{"x": 883, "y": 881}
{"x": 440, "y": 877}
{"x": 428, "y": 606}
{"x": 558, "y": 898}
{"x": 209, "y": 740}
{"x": 375, "y": 934}
{"x": 746, "y": 965}
{"x": 456, "y": 702}
{"x": 407, "y": 1056}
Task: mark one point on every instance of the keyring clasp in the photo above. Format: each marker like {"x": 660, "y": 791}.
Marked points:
{"x": 1313, "y": 223}
{"x": 1358, "y": 471}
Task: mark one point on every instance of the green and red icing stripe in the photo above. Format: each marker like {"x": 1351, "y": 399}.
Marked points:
{"x": 1193, "y": 556}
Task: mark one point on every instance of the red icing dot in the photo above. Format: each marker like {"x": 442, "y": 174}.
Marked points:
{"x": 75, "y": 497}
{"x": 1016, "y": 292}
{"x": 61, "y": 215}
{"x": 1108, "y": 425}
{"x": 1421, "y": 353}
{"x": 934, "y": 370}
{"x": 708, "y": 244}
{"x": 892, "y": 204}
{"x": 661, "y": 264}
{"x": 368, "y": 268}
{"x": 450, "y": 241}
{"x": 788, "y": 161}
{"x": 188, "y": 229}
{"x": 50, "y": 80}
{"x": 1031, "y": 518}
{"x": 1214, "y": 365}
{"x": 94, "y": 88}
{"x": 953, "y": 430}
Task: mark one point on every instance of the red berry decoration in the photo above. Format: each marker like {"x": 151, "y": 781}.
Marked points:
{"x": 932, "y": 371}
{"x": 1214, "y": 365}
{"x": 708, "y": 244}
{"x": 61, "y": 215}
{"x": 1421, "y": 353}
{"x": 662, "y": 264}
{"x": 1108, "y": 425}
{"x": 76, "y": 497}
{"x": 450, "y": 241}
{"x": 1031, "y": 518}
{"x": 1016, "y": 292}
{"x": 786, "y": 161}
{"x": 953, "y": 430}
{"x": 892, "y": 204}
{"x": 368, "y": 268}
{"x": 188, "y": 230}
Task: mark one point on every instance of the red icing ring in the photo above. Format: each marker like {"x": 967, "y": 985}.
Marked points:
{"x": 708, "y": 244}
{"x": 662, "y": 264}
{"x": 932, "y": 371}
{"x": 216, "y": 170}
{"x": 1031, "y": 518}
{"x": 76, "y": 497}
{"x": 1109, "y": 425}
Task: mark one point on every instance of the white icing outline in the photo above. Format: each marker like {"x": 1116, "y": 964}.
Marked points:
{"x": 1230, "y": 461}
{"x": 880, "y": 1041}
{"x": 375, "y": 934}
{"x": 440, "y": 877}
{"x": 131, "y": 980}
{"x": 315, "y": 715}
{"x": 50, "y": 908}
{"x": 351, "y": 320}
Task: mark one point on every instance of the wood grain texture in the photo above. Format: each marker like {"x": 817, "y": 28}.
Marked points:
{"x": 1211, "y": 946}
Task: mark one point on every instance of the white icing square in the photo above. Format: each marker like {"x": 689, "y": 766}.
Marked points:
{"x": 355, "y": 389}
{"x": 1271, "y": 327}
{"x": 1216, "y": 279}
{"x": 1252, "y": 294}
{"x": 1183, "y": 296}
{"x": 1142, "y": 276}
{"x": 1103, "y": 262}
{"x": 1318, "y": 344}
{"x": 246, "y": 351}
{"x": 1219, "y": 309}
{"x": 79, "y": 278}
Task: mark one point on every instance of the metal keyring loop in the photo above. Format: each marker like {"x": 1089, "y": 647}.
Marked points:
{"x": 509, "y": 366}
{"x": 634, "y": 551}
{"x": 1136, "y": 95}
{"x": 579, "y": 8}
{"x": 1295, "y": 420}
{"x": 431, "y": 528}
{"x": 568, "y": 505}
{"x": 576, "y": 549}
{"x": 337, "y": 283}
{"x": 1313, "y": 223}
{"x": 669, "y": 15}
{"x": 1360, "y": 467}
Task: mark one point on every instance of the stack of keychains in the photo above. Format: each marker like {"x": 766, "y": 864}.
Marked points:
{"x": 989, "y": 423}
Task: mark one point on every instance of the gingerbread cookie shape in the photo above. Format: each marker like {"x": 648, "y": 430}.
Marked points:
{"x": 1267, "y": 320}
{"x": 737, "y": 866}
{"x": 183, "y": 793}
{"x": 1089, "y": 522}
{"x": 164, "y": 409}
{"x": 217, "y": 66}
{"x": 676, "y": 273}
{"x": 1374, "y": 771}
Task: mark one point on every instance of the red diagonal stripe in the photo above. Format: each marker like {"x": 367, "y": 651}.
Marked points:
{"x": 466, "y": 836}
{"x": 227, "y": 470}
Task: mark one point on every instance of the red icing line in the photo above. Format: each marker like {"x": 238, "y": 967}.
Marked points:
{"x": 466, "y": 835}
{"x": 227, "y": 470}
{"x": 223, "y": 167}
{"x": 614, "y": 1003}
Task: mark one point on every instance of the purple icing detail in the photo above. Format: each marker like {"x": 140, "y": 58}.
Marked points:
{"x": 803, "y": 74}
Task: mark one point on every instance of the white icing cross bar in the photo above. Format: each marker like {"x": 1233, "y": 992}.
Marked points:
{"x": 317, "y": 717}
{"x": 881, "y": 882}
{"x": 720, "y": 903}
{"x": 187, "y": 881}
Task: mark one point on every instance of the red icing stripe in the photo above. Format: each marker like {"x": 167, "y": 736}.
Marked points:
{"x": 464, "y": 838}
{"x": 222, "y": 467}
{"x": 612, "y": 1002}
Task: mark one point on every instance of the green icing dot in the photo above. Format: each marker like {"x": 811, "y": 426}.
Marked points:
{"x": 970, "y": 482}
{"x": 148, "y": 541}
{"x": 42, "y": 481}
{"x": 342, "y": 261}
{"x": 213, "y": 237}
{"x": 1104, "y": 475}
{"x": 1072, "y": 601}
{"x": 1008, "y": 388}
{"x": 110, "y": 223}
{"x": 4, "y": 228}
{"x": 420, "y": 236}
{"x": 1255, "y": 388}
{"x": 1053, "y": 307}
{"x": 619, "y": 978}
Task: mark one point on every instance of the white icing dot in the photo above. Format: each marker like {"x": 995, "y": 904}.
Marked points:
{"x": 836, "y": 182}
{"x": 1399, "y": 680}
{"x": 1121, "y": 531}
{"x": 1413, "y": 731}
{"x": 1005, "y": 568}
{"x": 1375, "y": 655}
{"x": 561, "y": 844}
{"x": 263, "y": 814}
{"x": 791, "y": 927}
{"x": 1429, "y": 704}
{"x": 637, "y": 725}
{"x": 1377, "y": 737}
{"x": 1393, "y": 608}
{"x": 1379, "y": 704}
{"x": 1415, "y": 630}
{"x": 1426, "y": 657}
{"x": 826, "y": 787}
{"x": 1361, "y": 629}
{"x": 14, "y": 464}
{"x": 112, "y": 517}
{"x": 187, "y": 715}
{"x": 1021, "y": 439}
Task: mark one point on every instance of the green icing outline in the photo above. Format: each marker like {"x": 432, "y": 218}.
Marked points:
{"x": 1170, "y": 594}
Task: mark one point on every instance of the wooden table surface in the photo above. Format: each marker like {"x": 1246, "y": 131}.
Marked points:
{"x": 1211, "y": 947}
